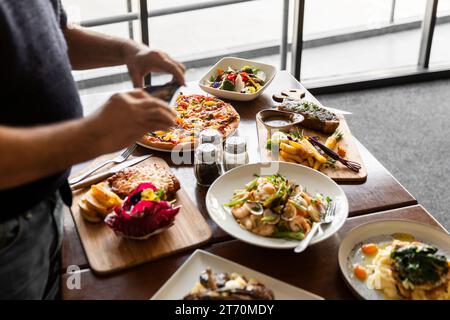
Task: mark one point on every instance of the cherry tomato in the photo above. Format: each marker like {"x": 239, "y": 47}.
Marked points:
{"x": 369, "y": 248}
{"x": 231, "y": 76}
{"x": 360, "y": 272}
{"x": 244, "y": 76}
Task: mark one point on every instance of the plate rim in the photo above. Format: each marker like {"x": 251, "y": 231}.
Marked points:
{"x": 294, "y": 242}
{"x": 365, "y": 225}
{"x": 199, "y": 252}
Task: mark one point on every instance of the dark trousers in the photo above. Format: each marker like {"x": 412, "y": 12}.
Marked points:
{"x": 30, "y": 247}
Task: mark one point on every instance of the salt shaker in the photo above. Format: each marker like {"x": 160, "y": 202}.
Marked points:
{"x": 235, "y": 154}
{"x": 207, "y": 167}
{"x": 212, "y": 136}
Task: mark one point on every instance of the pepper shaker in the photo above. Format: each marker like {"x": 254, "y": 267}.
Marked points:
{"x": 207, "y": 167}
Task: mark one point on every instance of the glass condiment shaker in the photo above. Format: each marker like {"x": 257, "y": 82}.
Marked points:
{"x": 235, "y": 153}
{"x": 212, "y": 136}
{"x": 207, "y": 167}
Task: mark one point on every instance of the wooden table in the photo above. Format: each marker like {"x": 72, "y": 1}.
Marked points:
{"x": 315, "y": 270}
{"x": 381, "y": 191}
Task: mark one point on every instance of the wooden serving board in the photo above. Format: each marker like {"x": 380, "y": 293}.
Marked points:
{"x": 340, "y": 173}
{"x": 107, "y": 253}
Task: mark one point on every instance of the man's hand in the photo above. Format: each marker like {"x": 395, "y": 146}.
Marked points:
{"x": 32, "y": 153}
{"x": 126, "y": 117}
{"x": 142, "y": 61}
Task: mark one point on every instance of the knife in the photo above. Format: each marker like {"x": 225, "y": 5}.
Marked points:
{"x": 165, "y": 92}
{"x": 101, "y": 176}
{"x": 337, "y": 111}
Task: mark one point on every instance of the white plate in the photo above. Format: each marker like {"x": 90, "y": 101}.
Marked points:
{"x": 381, "y": 232}
{"x": 184, "y": 279}
{"x": 237, "y": 63}
{"x": 222, "y": 190}
{"x": 181, "y": 148}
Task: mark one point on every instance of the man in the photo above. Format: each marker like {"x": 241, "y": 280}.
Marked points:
{"x": 42, "y": 132}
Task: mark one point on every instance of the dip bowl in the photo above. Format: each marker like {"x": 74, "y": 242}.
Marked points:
{"x": 274, "y": 119}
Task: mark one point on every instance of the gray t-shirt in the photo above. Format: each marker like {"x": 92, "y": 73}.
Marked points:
{"x": 36, "y": 85}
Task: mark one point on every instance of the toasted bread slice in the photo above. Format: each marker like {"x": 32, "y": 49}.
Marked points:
{"x": 95, "y": 205}
{"x": 87, "y": 213}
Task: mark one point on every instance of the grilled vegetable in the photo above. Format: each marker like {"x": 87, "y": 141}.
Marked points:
{"x": 341, "y": 151}
{"x": 333, "y": 139}
{"x": 228, "y": 286}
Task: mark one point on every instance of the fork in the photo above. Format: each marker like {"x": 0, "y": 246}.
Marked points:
{"x": 118, "y": 159}
{"x": 328, "y": 217}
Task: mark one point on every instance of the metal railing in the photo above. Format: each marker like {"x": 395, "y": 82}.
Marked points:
{"x": 284, "y": 46}
{"x": 131, "y": 16}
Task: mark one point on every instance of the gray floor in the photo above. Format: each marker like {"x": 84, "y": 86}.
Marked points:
{"x": 406, "y": 128}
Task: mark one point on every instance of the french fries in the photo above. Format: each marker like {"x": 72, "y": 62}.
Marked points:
{"x": 288, "y": 148}
{"x": 300, "y": 150}
{"x": 290, "y": 156}
{"x": 315, "y": 153}
{"x": 317, "y": 165}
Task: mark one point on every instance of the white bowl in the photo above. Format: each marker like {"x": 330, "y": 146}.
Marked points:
{"x": 237, "y": 63}
{"x": 222, "y": 190}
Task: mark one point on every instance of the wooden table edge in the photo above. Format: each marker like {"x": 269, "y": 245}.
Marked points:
{"x": 211, "y": 246}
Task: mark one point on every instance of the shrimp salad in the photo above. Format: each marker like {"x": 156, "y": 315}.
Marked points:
{"x": 273, "y": 206}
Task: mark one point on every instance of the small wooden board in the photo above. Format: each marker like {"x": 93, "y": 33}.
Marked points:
{"x": 109, "y": 253}
{"x": 340, "y": 173}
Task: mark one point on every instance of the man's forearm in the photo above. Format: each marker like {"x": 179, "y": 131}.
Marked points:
{"x": 89, "y": 49}
{"x": 32, "y": 153}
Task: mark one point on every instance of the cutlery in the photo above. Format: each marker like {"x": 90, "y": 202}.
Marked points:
{"x": 165, "y": 92}
{"x": 354, "y": 166}
{"x": 118, "y": 159}
{"x": 101, "y": 176}
{"x": 327, "y": 218}
{"x": 298, "y": 95}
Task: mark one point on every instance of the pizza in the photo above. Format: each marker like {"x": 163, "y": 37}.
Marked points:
{"x": 194, "y": 114}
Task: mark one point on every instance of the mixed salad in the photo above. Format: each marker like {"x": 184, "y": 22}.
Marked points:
{"x": 273, "y": 206}
{"x": 245, "y": 80}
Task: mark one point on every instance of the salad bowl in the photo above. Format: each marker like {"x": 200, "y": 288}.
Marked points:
{"x": 269, "y": 72}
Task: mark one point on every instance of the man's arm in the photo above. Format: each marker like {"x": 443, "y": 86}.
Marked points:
{"x": 32, "y": 153}
{"x": 89, "y": 49}
{"x": 28, "y": 154}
